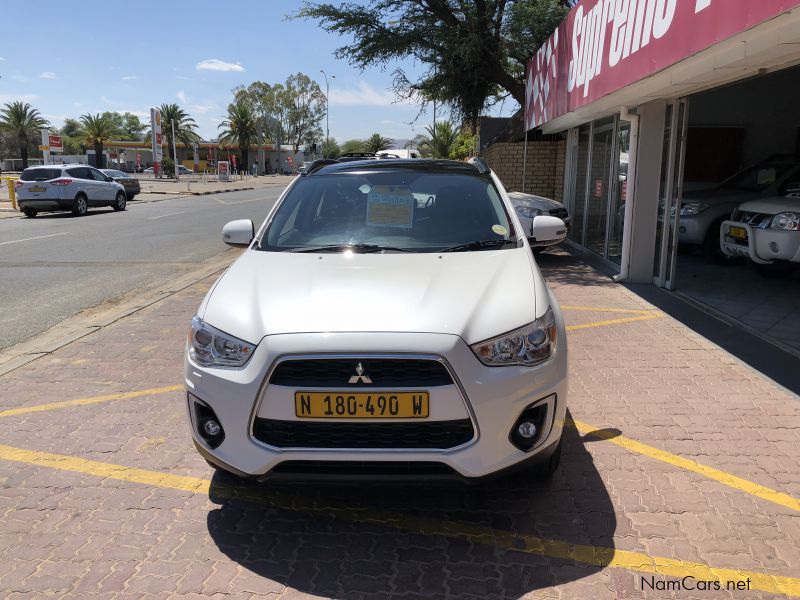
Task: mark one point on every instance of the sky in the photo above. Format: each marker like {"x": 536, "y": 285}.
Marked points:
{"x": 130, "y": 56}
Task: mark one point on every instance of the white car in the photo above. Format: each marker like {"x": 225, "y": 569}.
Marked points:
{"x": 530, "y": 206}
{"x": 60, "y": 188}
{"x": 767, "y": 231}
{"x": 363, "y": 333}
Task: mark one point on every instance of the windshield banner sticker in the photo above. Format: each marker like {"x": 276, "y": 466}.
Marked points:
{"x": 390, "y": 206}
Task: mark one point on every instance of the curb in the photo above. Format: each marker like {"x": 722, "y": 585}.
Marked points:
{"x": 89, "y": 320}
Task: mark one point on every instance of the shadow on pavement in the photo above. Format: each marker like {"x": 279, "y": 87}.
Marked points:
{"x": 373, "y": 540}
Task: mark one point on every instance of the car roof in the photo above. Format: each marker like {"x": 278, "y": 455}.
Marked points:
{"x": 425, "y": 165}
{"x": 58, "y": 166}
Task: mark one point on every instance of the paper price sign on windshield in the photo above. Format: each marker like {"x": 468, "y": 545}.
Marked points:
{"x": 390, "y": 206}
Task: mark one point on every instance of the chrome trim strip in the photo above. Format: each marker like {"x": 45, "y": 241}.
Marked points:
{"x": 407, "y": 356}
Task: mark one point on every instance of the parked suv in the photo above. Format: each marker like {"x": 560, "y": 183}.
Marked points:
{"x": 55, "y": 188}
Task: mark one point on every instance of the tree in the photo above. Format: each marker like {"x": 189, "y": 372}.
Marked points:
{"x": 441, "y": 139}
{"x": 96, "y": 130}
{"x": 330, "y": 149}
{"x": 352, "y": 146}
{"x": 72, "y": 140}
{"x": 184, "y": 126}
{"x": 240, "y": 129}
{"x": 23, "y": 123}
{"x": 472, "y": 53}
{"x": 464, "y": 146}
{"x": 375, "y": 143}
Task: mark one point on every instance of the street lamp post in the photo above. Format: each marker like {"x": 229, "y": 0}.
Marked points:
{"x": 327, "y": 101}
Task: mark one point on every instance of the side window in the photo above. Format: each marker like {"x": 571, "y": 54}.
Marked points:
{"x": 79, "y": 173}
{"x": 97, "y": 175}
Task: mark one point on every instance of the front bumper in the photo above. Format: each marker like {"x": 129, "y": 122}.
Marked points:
{"x": 762, "y": 246}
{"x": 491, "y": 397}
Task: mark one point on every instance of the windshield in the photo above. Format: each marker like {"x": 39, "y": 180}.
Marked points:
{"x": 400, "y": 211}
{"x": 759, "y": 177}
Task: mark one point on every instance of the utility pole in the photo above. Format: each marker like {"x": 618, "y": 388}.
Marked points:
{"x": 327, "y": 102}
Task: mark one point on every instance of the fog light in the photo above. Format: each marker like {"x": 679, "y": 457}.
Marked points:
{"x": 527, "y": 430}
{"x": 774, "y": 247}
{"x": 212, "y": 428}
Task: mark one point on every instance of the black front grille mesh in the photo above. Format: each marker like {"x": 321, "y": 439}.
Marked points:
{"x": 382, "y": 372}
{"x": 439, "y": 435}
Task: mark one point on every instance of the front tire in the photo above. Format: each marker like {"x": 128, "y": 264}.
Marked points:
{"x": 121, "y": 202}
{"x": 29, "y": 212}
{"x": 81, "y": 208}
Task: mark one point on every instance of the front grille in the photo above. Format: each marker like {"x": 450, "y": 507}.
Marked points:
{"x": 561, "y": 213}
{"x": 436, "y": 435}
{"x": 362, "y": 468}
{"x": 382, "y": 372}
{"x": 754, "y": 219}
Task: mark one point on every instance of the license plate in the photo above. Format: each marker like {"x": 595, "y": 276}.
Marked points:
{"x": 37, "y": 189}
{"x": 361, "y": 405}
{"x": 739, "y": 233}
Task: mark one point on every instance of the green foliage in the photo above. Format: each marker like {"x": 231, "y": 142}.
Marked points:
{"x": 184, "y": 125}
{"x": 95, "y": 131}
{"x": 472, "y": 53}
{"x": 291, "y": 112}
{"x": 167, "y": 167}
{"x": 22, "y": 122}
{"x": 375, "y": 143}
{"x": 464, "y": 146}
{"x": 240, "y": 129}
{"x": 440, "y": 140}
{"x": 330, "y": 149}
{"x": 352, "y": 146}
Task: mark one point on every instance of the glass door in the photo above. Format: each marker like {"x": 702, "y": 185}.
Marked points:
{"x": 601, "y": 170}
{"x": 581, "y": 181}
{"x": 619, "y": 193}
{"x": 670, "y": 193}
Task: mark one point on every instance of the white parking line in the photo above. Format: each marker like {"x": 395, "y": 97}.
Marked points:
{"x": 167, "y": 215}
{"x": 38, "y": 237}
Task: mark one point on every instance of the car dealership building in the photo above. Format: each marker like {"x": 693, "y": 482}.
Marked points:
{"x": 657, "y": 98}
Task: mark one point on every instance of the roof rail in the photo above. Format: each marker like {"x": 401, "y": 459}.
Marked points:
{"x": 317, "y": 165}
{"x": 479, "y": 164}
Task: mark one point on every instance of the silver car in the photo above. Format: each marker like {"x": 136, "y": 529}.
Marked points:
{"x": 59, "y": 188}
{"x": 530, "y": 206}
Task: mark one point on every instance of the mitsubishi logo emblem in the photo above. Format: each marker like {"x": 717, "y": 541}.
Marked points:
{"x": 359, "y": 376}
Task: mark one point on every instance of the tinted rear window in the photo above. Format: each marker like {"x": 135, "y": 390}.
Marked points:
{"x": 40, "y": 174}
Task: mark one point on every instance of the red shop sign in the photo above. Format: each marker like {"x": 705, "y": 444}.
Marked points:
{"x": 604, "y": 45}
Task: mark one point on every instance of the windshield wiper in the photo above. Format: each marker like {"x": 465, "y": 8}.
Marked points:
{"x": 479, "y": 244}
{"x": 353, "y": 247}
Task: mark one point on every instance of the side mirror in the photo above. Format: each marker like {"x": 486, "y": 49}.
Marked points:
{"x": 109, "y": 178}
{"x": 547, "y": 231}
{"x": 239, "y": 233}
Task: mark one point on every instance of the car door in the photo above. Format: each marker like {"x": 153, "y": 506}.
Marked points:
{"x": 106, "y": 190}
{"x": 83, "y": 182}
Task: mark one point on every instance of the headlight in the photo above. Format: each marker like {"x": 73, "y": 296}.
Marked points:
{"x": 527, "y": 346}
{"x": 786, "y": 220}
{"x": 690, "y": 209}
{"x": 211, "y": 347}
{"x": 528, "y": 211}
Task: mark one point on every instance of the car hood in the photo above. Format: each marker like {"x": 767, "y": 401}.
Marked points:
{"x": 475, "y": 295}
{"x": 534, "y": 201}
{"x": 772, "y": 205}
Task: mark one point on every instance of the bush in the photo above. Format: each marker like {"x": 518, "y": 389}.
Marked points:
{"x": 167, "y": 167}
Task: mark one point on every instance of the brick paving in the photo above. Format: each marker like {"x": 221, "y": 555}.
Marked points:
{"x": 77, "y": 535}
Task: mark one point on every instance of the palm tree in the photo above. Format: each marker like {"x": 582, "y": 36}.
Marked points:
{"x": 376, "y": 142}
{"x": 240, "y": 129}
{"x": 184, "y": 125}
{"x": 22, "y": 122}
{"x": 97, "y": 130}
{"x": 441, "y": 139}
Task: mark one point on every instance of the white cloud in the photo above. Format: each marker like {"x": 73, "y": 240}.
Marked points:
{"x": 4, "y": 98}
{"x": 215, "y": 64}
{"x": 363, "y": 95}
{"x": 182, "y": 96}
{"x": 202, "y": 109}
{"x": 181, "y": 77}
{"x": 128, "y": 77}
{"x": 47, "y": 75}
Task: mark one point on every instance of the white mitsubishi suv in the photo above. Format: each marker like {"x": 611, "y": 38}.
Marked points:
{"x": 388, "y": 319}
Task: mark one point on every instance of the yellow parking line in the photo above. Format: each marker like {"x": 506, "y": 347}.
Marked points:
{"x": 590, "y": 555}
{"x": 24, "y": 410}
{"x": 613, "y": 322}
{"x": 612, "y": 310}
{"x": 722, "y": 477}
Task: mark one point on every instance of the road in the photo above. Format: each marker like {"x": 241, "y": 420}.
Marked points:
{"x": 54, "y": 266}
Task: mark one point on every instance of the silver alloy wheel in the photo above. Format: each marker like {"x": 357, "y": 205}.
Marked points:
{"x": 121, "y": 201}
{"x": 80, "y": 206}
